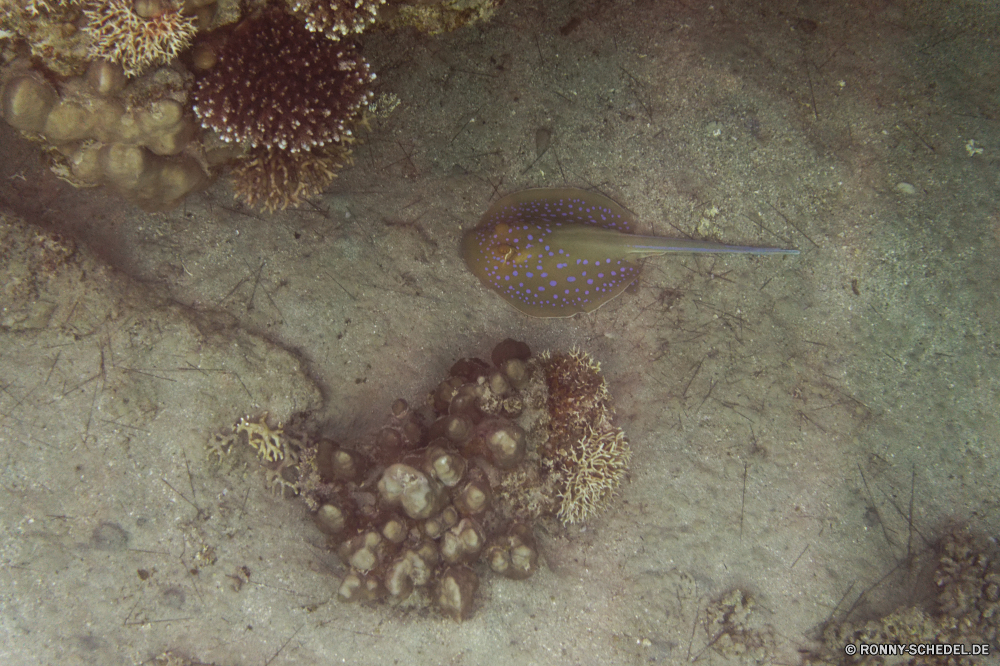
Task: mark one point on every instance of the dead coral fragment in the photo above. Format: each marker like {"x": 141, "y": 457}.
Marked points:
{"x": 265, "y": 440}
{"x": 336, "y": 18}
{"x": 119, "y": 34}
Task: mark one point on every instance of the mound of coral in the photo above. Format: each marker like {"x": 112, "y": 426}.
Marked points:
{"x": 449, "y": 490}
{"x": 115, "y": 92}
{"x": 277, "y": 86}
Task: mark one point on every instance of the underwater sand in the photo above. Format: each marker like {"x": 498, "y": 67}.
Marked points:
{"x": 784, "y": 412}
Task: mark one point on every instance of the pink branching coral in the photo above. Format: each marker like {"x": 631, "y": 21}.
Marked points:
{"x": 277, "y": 85}
{"x": 120, "y": 34}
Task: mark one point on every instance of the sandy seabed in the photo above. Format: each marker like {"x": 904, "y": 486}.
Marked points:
{"x": 800, "y": 426}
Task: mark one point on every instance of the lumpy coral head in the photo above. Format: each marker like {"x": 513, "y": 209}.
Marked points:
{"x": 275, "y": 84}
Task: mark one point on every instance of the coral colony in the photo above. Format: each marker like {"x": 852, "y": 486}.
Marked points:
{"x": 449, "y": 490}
{"x": 277, "y": 93}
{"x": 277, "y": 85}
{"x": 290, "y": 95}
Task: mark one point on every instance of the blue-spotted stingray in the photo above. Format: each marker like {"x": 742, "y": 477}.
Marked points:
{"x": 557, "y": 252}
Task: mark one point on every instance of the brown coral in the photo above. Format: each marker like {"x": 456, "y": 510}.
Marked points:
{"x": 274, "y": 178}
{"x": 961, "y": 604}
{"x": 276, "y": 85}
{"x": 447, "y": 491}
{"x": 587, "y": 454}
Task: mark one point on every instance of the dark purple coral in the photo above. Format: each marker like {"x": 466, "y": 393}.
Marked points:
{"x": 277, "y": 85}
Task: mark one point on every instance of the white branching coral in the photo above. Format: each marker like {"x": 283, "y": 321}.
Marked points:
{"x": 594, "y": 470}
{"x": 336, "y": 18}
{"x": 120, "y": 34}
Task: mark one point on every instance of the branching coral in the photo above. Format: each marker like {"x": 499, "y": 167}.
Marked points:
{"x": 275, "y": 178}
{"x": 276, "y": 85}
{"x": 336, "y": 18}
{"x": 120, "y": 34}
{"x": 588, "y": 455}
{"x": 594, "y": 469}
{"x": 267, "y": 441}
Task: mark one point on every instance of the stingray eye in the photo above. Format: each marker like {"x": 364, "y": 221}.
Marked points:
{"x": 500, "y": 230}
{"x": 503, "y": 251}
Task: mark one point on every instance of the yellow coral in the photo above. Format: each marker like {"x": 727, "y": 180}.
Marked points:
{"x": 267, "y": 441}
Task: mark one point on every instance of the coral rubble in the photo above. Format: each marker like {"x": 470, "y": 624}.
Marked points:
{"x": 442, "y": 15}
{"x": 449, "y": 490}
{"x": 960, "y": 604}
{"x": 336, "y": 18}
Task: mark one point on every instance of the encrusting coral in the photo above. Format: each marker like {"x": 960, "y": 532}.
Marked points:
{"x": 448, "y": 490}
